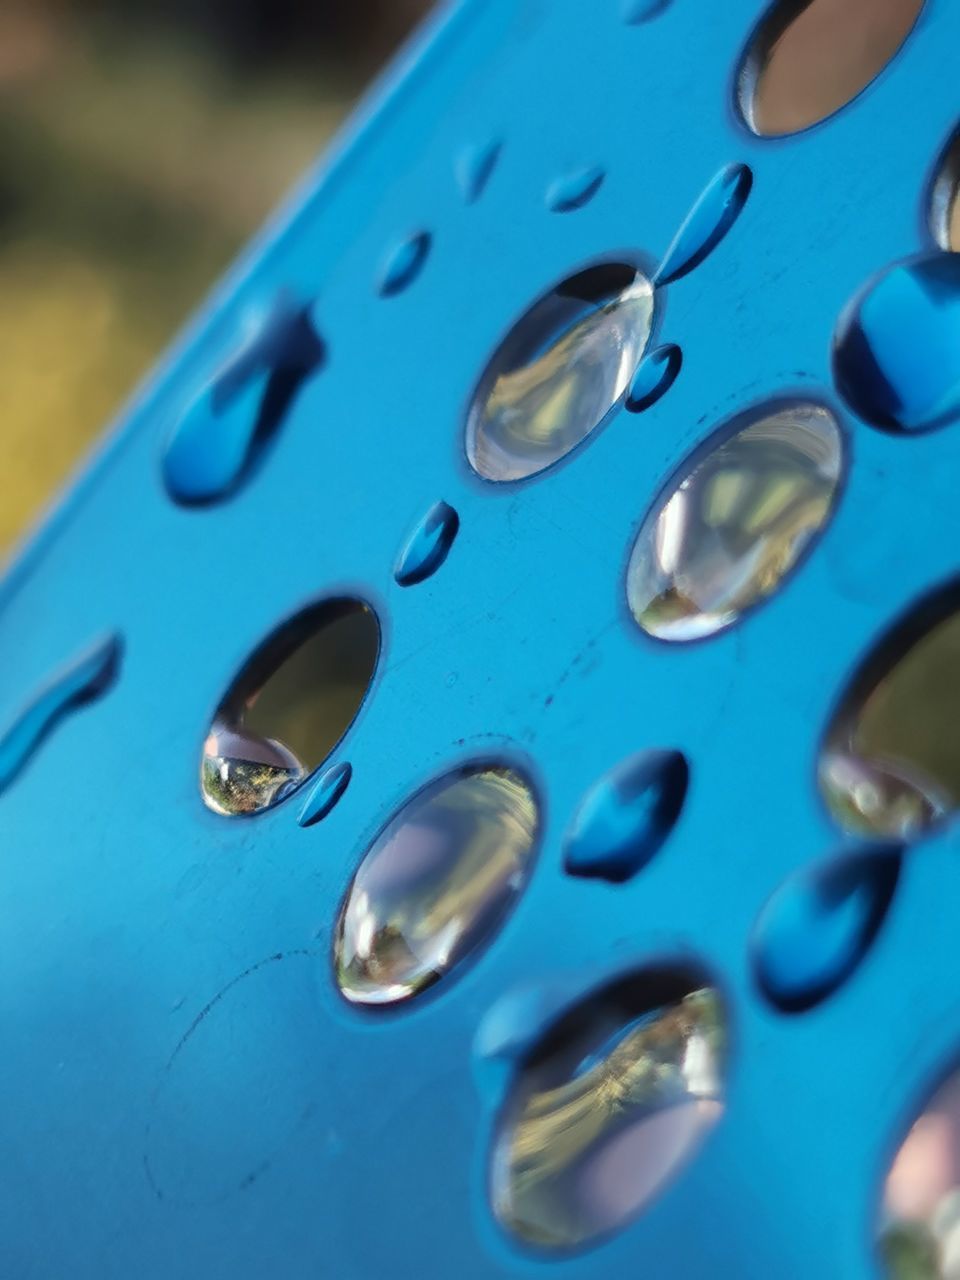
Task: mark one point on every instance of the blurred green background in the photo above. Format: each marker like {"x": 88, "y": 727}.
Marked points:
{"x": 142, "y": 142}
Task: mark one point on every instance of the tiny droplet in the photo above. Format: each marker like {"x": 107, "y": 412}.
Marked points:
{"x": 575, "y": 189}
{"x": 325, "y": 793}
{"x": 428, "y": 546}
{"x": 403, "y": 263}
{"x": 654, "y": 377}
{"x": 714, "y": 213}
{"x": 474, "y": 167}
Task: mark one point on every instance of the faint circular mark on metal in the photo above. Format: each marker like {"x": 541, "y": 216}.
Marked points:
{"x": 573, "y": 190}
{"x": 239, "y": 1086}
{"x": 428, "y": 545}
{"x": 403, "y": 263}
{"x": 655, "y": 375}
{"x": 713, "y": 214}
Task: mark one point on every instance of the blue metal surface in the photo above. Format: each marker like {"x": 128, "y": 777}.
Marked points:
{"x": 184, "y": 1092}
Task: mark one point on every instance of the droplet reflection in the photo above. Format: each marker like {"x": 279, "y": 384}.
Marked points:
{"x": 436, "y": 884}
{"x": 560, "y": 370}
{"x": 734, "y": 523}
{"x": 612, "y": 1101}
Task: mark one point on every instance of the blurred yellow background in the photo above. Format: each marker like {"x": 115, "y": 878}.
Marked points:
{"x": 142, "y": 142}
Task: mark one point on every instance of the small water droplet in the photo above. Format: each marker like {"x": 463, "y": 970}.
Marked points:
{"x": 84, "y": 680}
{"x": 819, "y": 925}
{"x": 919, "y": 1227}
{"x": 292, "y": 702}
{"x": 403, "y": 263}
{"x": 474, "y": 166}
{"x": 714, "y": 213}
{"x": 560, "y": 370}
{"x": 510, "y": 1029}
{"x": 606, "y": 1108}
{"x": 225, "y": 430}
{"x": 436, "y": 884}
{"x": 325, "y": 793}
{"x": 575, "y": 189}
{"x": 626, "y": 816}
{"x": 896, "y": 356}
{"x": 889, "y": 766}
{"x": 734, "y": 522}
{"x": 634, "y": 12}
{"x": 655, "y": 375}
{"x": 428, "y": 545}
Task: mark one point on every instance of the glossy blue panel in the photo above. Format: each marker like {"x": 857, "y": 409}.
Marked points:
{"x": 185, "y": 1094}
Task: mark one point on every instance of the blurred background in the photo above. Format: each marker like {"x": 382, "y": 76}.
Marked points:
{"x": 141, "y": 143}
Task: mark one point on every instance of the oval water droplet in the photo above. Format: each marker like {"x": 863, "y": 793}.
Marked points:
{"x": 290, "y": 705}
{"x": 428, "y": 545}
{"x": 84, "y": 680}
{"x": 819, "y": 925}
{"x": 575, "y": 189}
{"x": 634, "y": 12}
{"x": 436, "y": 884}
{"x": 607, "y": 1107}
{"x": 626, "y": 816}
{"x": 561, "y": 369}
{"x": 734, "y": 521}
{"x": 325, "y": 794}
{"x": 656, "y": 374}
{"x": 889, "y": 765}
{"x": 403, "y": 263}
{"x": 223, "y": 433}
{"x": 714, "y": 213}
{"x": 896, "y": 356}
{"x": 807, "y": 60}
{"x": 474, "y": 167}
{"x": 919, "y": 1222}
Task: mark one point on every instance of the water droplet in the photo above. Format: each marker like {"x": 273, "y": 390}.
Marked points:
{"x": 510, "y": 1029}
{"x": 919, "y": 1227}
{"x": 292, "y": 702}
{"x": 561, "y": 369}
{"x": 613, "y": 1100}
{"x": 428, "y": 545}
{"x": 818, "y": 926}
{"x": 575, "y": 189}
{"x": 626, "y": 816}
{"x": 655, "y": 375}
{"x": 326, "y": 793}
{"x": 896, "y": 356}
{"x": 84, "y": 680}
{"x": 474, "y": 166}
{"x": 734, "y": 521}
{"x": 634, "y": 12}
{"x": 889, "y": 766}
{"x": 225, "y": 430}
{"x": 403, "y": 263}
{"x": 944, "y": 204}
{"x": 807, "y": 61}
{"x": 436, "y": 883}
{"x": 716, "y": 210}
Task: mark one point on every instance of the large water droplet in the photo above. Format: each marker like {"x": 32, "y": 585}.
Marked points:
{"x": 919, "y": 1228}
{"x": 474, "y": 167}
{"x": 436, "y": 884}
{"x": 428, "y": 545}
{"x": 564, "y": 365}
{"x": 626, "y": 816}
{"x": 607, "y": 1107}
{"x": 890, "y": 763}
{"x": 84, "y": 680}
{"x": 224, "y": 432}
{"x": 289, "y": 707}
{"x": 575, "y": 189}
{"x": 896, "y": 355}
{"x": 818, "y": 926}
{"x": 734, "y": 522}
{"x": 807, "y": 60}
{"x": 403, "y": 263}
{"x": 716, "y": 210}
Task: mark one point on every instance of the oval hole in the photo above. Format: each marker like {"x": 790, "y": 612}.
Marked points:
{"x": 890, "y": 761}
{"x": 289, "y": 706}
{"x": 809, "y": 58}
{"x": 562, "y": 367}
{"x": 611, "y": 1101}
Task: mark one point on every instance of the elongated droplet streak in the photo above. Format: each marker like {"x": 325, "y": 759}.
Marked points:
{"x": 473, "y": 168}
{"x": 225, "y": 429}
{"x": 403, "y": 263}
{"x": 85, "y": 680}
{"x": 634, "y": 12}
{"x": 655, "y": 376}
{"x": 574, "y": 190}
{"x": 714, "y": 213}
{"x": 325, "y": 793}
{"x": 428, "y": 545}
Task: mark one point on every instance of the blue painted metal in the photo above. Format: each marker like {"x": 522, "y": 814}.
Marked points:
{"x": 184, "y": 1093}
